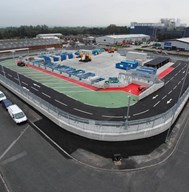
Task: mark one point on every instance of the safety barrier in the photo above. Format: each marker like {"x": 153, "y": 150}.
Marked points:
{"x": 101, "y": 130}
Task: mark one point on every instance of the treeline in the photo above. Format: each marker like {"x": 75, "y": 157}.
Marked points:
{"x": 32, "y": 31}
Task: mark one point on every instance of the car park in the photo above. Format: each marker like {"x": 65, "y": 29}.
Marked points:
{"x": 16, "y": 114}
{"x": 6, "y": 103}
{"x": 2, "y": 96}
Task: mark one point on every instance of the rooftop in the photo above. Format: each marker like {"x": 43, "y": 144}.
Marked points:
{"x": 127, "y": 36}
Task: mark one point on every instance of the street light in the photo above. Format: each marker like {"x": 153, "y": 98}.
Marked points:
{"x": 128, "y": 108}
{"x": 181, "y": 89}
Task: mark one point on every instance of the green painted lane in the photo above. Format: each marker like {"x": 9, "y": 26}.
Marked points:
{"x": 104, "y": 99}
{"x": 114, "y": 99}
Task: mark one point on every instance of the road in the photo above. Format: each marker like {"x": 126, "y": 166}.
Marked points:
{"x": 32, "y": 164}
{"x": 155, "y": 104}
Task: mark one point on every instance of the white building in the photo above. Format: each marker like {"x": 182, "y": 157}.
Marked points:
{"x": 116, "y": 39}
{"x": 50, "y": 35}
{"x": 176, "y": 44}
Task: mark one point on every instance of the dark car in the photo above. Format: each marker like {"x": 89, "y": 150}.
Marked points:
{"x": 6, "y": 103}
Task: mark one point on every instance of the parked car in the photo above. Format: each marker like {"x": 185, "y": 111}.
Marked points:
{"x": 2, "y": 96}
{"x": 16, "y": 114}
{"x": 6, "y": 103}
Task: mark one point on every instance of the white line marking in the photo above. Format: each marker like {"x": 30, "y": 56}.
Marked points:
{"x": 36, "y": 85}
{"x": 15, "y": 78}
{"x": 13, "y": 143}
{"x": 34, "y": 88}
{"x": 112, "y": 116}
{"x": 46, "y": 95}
{"x": 155, "y": 97}
{"x": 167, "y": 82}
{"x": 9, "y": 75}
{"x": 175, "y": 87}
{"x": 24, "y": 83}
{"x": 141, "y": 112}
{"x": 156, "y": 104}
{"x": 25, "y": 88}
{"x": 60, "y": 102}
{"x": 170, "y": 92}
{"x": 4, "y": 183}
{"x": 83, "y": 111}
{"x": 14, "y": 158}
{"x": 164, "y": 97}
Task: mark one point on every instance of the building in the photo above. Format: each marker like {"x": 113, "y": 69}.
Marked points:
{"x": 32, "y": 44}
{"x": 50, "y": 35}
{"x": 181, "y": 44}
{"x": 166, "y": 28}
{"x": 119, "y": 39}
{"x": 186, "y": 32}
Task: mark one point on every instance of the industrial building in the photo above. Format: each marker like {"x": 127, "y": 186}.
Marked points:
{"x": 49, "y": 35}
{"x": 166, "y": 28}
{"x": 32, "y": 44}
{"x": 181, "y": 44}
{"x": 118, "y": 39}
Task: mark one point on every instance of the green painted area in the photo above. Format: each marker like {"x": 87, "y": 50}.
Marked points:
{"x": 111, "y": 99}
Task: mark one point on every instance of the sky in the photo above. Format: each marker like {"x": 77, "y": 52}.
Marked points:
{"x": 90, "y": 13}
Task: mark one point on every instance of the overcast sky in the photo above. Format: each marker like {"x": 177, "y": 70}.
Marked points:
{"x": 90, "y": 12}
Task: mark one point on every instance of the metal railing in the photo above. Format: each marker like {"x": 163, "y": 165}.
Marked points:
{"x": 96, "y": 125}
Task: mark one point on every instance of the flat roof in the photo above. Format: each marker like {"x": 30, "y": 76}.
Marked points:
{"x": 185, "y": 40}
{"x": 156, "y": 61}
{"x": 127, "y": 36}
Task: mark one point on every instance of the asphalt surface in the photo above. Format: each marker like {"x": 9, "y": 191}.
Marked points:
{"x": 157, "y": 103}
{"x": 32, "y": 164}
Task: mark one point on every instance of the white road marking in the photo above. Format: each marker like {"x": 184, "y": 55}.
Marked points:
{"x": 15, "y": 78}
{"x": 9, "y": 75}
{"x": 14, "y": 158}
{"x": 83, "y": 111}
{"x": 46, "y": 95}
{"x": 36, "y": 85}
{"x": 169, "y": 101}
{"x": 25, "y": 88}
{"x": 112, "y": 116}
{"x": 183, "y": 72}
{"x": 175, "y": 87}
{"x": 141, "y": 112}
{"x": 171, "y": 78}
{"x": 34, "y": 88}
{"x": 6, "y": 187}
{"x": 156, "y": 104}
{"x": 164, "y": 97}
{"x": 170, "y": 92}
{"x": 13, "y": 143}
{"x": 24, "y": 83}
{"x": 155, "y": 97}
{"x": 167, "y": 82}
{"x": 60, "y": 102}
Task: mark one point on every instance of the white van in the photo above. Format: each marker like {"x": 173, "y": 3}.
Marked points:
{"x": 17, "y": 114}
{"x": 2, "y": 96}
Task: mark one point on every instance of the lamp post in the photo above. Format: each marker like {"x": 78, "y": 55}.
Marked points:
{"x": 128, "y": 108}
{"x": 180, "y": 93}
